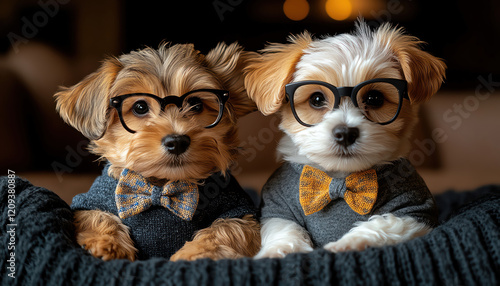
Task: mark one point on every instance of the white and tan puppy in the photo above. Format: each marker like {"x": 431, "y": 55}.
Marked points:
{"x": 348, "y": 104}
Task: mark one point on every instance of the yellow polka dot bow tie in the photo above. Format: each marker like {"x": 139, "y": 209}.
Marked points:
{"x": 360, "y": 190}
{"x": 135, "y": 194}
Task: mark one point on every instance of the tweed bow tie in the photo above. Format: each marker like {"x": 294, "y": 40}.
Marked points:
{"x": 360, "y": 190}
{"x": 135, "y": 194}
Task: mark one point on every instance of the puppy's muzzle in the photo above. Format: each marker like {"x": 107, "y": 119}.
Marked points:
{"x": 345, "y": 136}
{"x": 176, "y": 144}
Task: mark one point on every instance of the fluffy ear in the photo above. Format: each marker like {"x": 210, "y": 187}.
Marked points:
{"x": 267, "y": 75}
{"x": 227, "y": 62}
{"x": 85, "y": 105}
{"x": 423, "y": 72}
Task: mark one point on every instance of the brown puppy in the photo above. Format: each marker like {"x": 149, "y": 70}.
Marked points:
{"x": 166, "y": 116}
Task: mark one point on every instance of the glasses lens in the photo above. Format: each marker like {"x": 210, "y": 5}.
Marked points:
{"x": 312, "y": 101}
{"x": 203, "y": 107}
{"x": 378, "y": 101}
{"x": 138, "y": 110}
{"x": 200, "y": 107}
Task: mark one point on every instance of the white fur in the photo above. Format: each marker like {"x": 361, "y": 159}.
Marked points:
{"x": 379, "y": 230}
{"x": 348, "y": 59}
{"x": 281, "y": 237}
{"x": 315, "y": 145}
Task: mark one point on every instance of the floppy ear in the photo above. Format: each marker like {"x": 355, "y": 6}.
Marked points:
{"x": 267, "y": 75}
{"x": 85, "y": 105}
{"x": 423, "y": 72}
{"x": 227, "y": 62}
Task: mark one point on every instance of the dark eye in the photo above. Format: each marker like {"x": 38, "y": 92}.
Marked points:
{"x": 195, "y": 104}
{"x": 140, "y": 108}
{"x": 317, "y": 100}
{"x": 374, "y": 98}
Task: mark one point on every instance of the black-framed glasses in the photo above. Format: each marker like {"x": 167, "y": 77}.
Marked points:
{"x": 204, "y": 107}
{"x": 380, "y": 100}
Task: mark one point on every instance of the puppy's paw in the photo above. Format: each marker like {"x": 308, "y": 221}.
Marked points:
{"x": 281, "y": 237}
{"x": 281, "y": 250}
{"x": 347, "y": 244}
{"x": 104, "y": 235}
{"x": 106, "y": 247}
{"x": 378, "y": 231}
{"x": 193, "y": 250}
{"x": 228, "y": 238}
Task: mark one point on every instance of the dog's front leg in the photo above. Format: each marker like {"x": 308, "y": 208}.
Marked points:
{"x": 378, "y": 231}
{"x": 281, "y": 237}
{"x": 104, "y": 235}
{"x": 225, "y": 238}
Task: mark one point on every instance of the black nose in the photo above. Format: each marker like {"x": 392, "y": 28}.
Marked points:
{"x": 344, "y": 135}
{"x": 176, "y": 144}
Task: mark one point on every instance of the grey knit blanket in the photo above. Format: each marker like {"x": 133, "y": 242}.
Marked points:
{"x": 38, "y": 248}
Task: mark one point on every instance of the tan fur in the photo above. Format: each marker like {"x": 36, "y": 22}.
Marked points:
{"x": 225, "y": 238}
{"x": 423, "y": 72}
{"x": 267, "y": 74}
{"x": 84, "y": 105}
{"x": 103, "y": 235}
{"x": 166, "y": 71}
{"x": 228, "y": 62}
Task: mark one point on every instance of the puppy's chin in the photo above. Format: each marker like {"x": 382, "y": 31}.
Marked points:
{"x": 316, "y": 146}
{"x": 330, "y": 161}
{"x": 203, "y": 157}
{"x": 193, "y": 166}
{"x": 209, "y": 151}
{"x": 164, "y": 169}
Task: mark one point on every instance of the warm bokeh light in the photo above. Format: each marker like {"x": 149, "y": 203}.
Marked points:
{"x": 338, "y": 9}
{"x": 296, "y": 9}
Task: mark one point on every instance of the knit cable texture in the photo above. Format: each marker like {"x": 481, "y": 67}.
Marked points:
{"x": 463, "y": 250}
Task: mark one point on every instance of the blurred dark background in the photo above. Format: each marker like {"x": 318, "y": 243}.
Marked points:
{"x": 48, "y": 43}
{"x": 465, "y": 33}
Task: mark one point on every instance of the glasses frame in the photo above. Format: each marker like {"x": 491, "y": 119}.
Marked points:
{"x": 349, "y": 91}
{"x": 117, "y": 102}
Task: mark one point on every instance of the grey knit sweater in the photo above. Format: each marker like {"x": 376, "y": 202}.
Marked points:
{"x": 401, "y": 191}
{"x": 157, "y": 232}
